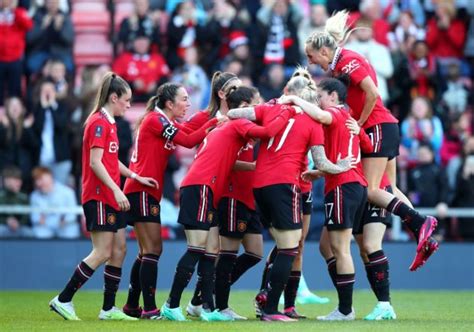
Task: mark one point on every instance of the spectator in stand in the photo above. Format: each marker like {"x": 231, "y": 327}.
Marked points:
{"x": 12, "y": 225}
{"x": 183, "y": 32}
{"x": 314, "y": 22}
{"x": 142, "y": 68}
{"x": 273, "y": 81}
{"x": 422, "y": 66}
{"x": 222, "y": 27}
{"x": 14, "y": 23}
{"x": 445, "y": 35}
{"x": 455, "y": 96}
{"x": 377, "y": 54}
{"x": 373, "y": 12}
{"x": 421, "y": 126}
{"x": 427, "y": 182}
{"x": 464, "y": 196}
{"x": 275, "y": 39}
{"x": 140, "y": 23}
{"x": 49, "y": 193}
{"x": 52, "y": 36}
{"x": 13, "y": 146}
{"x": 454, "y": 138}
{"x": 50, "y": 135}
{"x": 193, "y": 77}
{"x": 239, "y": 51}
{"x": 405, "y": 34}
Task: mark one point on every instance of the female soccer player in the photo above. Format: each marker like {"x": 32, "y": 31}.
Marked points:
{"x": 323, "y": 48}
{"x": 237, "y": 216}
{"x": 345, "y": 193}
{"x": 157, "y": 134}
{"x": 103, "y": 200}
{"x": 200, "y": 191}
{"x": 276, "y": 184}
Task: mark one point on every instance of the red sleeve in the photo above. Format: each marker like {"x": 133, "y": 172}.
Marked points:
{"x": 120, "y": 64}
{"x": 431, "y": 34}
{"x": 98, "y": 131}
{"x": 195, "y": 121}
{"x": 317, "y": 134}
{"x": 354, "y": 68}
{"x": 260, "y": 111}
{"x": 22, "y": 19}
{"x": 365, "y": 142}
{"x": 334, "y": 116}
{"x": 192, "y": 139}
{"x": 272, "y": 128}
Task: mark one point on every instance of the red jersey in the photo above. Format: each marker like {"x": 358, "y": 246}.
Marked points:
{"x": 217, "y": 154}
{"x": 154, "y": 143}
{"x": 14, "y": 23}
{"x": 149, "y": 68}
{"x": 100, "y": 132}
{"x": 357, "y": 67}
{"x": 339, "y": 144}
{"x": 281, "y": 158}
{"x": 241, "y": 182}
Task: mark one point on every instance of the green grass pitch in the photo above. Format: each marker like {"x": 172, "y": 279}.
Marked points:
{"x": 416, "y": 310}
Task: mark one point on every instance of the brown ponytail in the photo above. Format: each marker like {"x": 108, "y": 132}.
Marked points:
{"x": 220, "y": 81}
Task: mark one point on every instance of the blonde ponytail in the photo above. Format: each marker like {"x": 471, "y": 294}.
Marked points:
{"x": 335, "y": 32}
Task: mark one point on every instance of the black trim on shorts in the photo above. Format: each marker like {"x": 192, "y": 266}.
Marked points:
{"x": 143, "y": 208}
{"x": 307, "y": 202}
{"x": 374, "y": 214}
{"x": 236, "y": 219}
{"x": 344, "y": 206}
{"x": 385, "y": 138}
{"x": 196, "y": 208}
{"x": 101, "y": 217}
{"x": 279, "y": 206}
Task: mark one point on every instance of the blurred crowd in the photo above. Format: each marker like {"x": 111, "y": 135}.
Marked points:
{"x": 422, "y": 51}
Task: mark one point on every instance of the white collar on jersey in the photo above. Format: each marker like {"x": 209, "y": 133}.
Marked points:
{"x": 163, "y": 113}
{"x": 107, "y": 115}
{"x": 337, "y": 55}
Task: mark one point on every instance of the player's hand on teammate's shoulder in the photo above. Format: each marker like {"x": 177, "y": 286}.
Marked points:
{"x": 284, "y": 100}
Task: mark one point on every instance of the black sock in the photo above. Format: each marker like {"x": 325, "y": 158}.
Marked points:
{"x": 112, "y": 276}
{"x": 148, "y": 276}
{"x": 183, "y": 274}
{"x": 377, "y": 272}
{"x": 345, "y": 287}
{"x": 410, "y": 217}
{"x": 268, "y": 267}
{"x": 207, "y": 270}
{"x": 243, "y": 263}
{"x": 224, "y": 268}
{"x": 134, "y": 289}
{"x": 292, "y": 288}
{"x": 80, "y": 276}
{"x": 197, "y": 295}
{"x": 278, "y": 278}
{"x": 331, "y": 262}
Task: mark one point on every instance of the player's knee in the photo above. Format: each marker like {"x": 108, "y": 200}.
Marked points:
{"x": 120, "y": 250}
{"x": 371, "y": 247}
{"x": 154, "y": 249}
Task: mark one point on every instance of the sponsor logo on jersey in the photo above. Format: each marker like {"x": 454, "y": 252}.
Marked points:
{"x": 351, "y": 66}
{"x": 113, "y": 147}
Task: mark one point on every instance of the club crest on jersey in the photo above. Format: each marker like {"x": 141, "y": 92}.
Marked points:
{"x": 241, "y": 226}
{"x": 98, "y": 131}
{"x": 113, "y": 147}
{"x": 154, "y": 210}
{"x": 351, "y": 66}
{"x": 111, "y": 218}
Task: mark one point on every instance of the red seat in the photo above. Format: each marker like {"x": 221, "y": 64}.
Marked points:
{"x": 89, "y": 20}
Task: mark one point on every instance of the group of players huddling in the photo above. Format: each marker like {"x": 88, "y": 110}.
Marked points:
{"x": 354, "y": 147}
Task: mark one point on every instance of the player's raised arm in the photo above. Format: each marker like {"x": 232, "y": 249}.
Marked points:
{"x": 313, "y": 110}
{"x": 242, "y": 113}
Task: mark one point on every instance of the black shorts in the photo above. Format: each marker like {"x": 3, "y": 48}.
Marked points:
{"x": 143, "y": 208}
{"x": 236, "y": 219}
{"x": 385, "y": 138}
{"x": 344, "y": 206}
{"x": 374, "y": 214}
{"x": 307, "y": 202}
{"x": 196, "y": 210}
{"x": 279, "y": 206}
{"x": 101, "y": 217}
